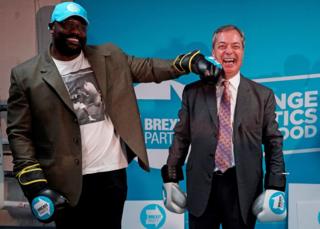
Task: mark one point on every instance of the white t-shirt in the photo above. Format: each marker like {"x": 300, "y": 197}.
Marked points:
{"x": 101, "y": 147}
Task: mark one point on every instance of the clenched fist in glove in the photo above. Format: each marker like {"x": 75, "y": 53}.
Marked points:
{"x": 270, "y": 206}
{"x": 195, "y": 62}
{"x": 44, "y": 202}
{"x": 174, "y": 198}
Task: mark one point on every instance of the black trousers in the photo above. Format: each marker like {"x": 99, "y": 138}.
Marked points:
{"x": 223, "y": 206}
{"x": 100, "y": 205}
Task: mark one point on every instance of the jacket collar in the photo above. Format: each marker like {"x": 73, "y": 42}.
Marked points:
{"x": 242, "y": 103}
{"x": 51, "y": 75}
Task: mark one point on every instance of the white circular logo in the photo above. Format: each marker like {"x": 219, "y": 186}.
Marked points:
{"x": 72, "y": 8}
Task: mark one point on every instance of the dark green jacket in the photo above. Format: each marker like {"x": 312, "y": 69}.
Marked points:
{"x": 43, "y": 127}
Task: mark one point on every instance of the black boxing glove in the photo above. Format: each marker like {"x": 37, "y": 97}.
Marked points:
{"x": 44, "y": 202}
{"x": 207, "y": 68}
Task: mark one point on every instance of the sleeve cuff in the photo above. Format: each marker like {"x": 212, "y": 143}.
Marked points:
{"x": 275, "y": 181}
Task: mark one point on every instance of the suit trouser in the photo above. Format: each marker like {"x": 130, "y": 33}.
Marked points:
{"x": 223, "y": 205}
{"x": 101, "y": 202}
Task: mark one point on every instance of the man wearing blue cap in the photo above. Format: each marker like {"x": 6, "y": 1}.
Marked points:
{"x": 74, "y": 124}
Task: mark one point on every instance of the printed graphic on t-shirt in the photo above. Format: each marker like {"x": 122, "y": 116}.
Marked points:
{"x": 85, "y": 96}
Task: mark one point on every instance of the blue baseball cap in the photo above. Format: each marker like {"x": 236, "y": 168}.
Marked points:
{"x": 68, "y": 9}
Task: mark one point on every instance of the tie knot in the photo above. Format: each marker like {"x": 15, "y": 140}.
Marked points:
{"x": 225, "y": 83}
{"x": 226, "y": 91}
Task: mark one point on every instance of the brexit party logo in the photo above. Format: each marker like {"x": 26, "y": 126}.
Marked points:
{"x": 159, "y": 105}
{"x": 152, "y": 216}
{"x": 277, "y": 203}
{"x": 297, "y": 112}
{"x": 42, "y": 207}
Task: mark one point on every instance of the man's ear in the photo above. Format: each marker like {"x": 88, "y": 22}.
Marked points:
{"x": 51, "y": 26}
{"x": 213, "y": 54}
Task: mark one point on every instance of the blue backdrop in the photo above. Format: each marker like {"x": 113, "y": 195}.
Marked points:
{"x": 282, "y": 52}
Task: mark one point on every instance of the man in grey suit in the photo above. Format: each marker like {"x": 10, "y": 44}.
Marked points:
{"x": 74, "y": 124}
{"x": 218, "y": 196}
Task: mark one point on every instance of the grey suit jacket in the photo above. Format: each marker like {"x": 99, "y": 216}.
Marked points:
{"x": 254, "y": 125}
{"x": 43, "y": 127}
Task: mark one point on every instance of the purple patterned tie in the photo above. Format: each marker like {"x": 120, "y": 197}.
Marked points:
{"x": 223, "y": 156}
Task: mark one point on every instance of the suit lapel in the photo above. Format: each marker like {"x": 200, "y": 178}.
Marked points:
{"x": 242, "y": 104}
{"x": 51, "y": 76}
{"x": 211, "y": 100}
{"x": 98, "y": 63}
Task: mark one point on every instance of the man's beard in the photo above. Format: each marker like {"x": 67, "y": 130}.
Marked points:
{"x": 67, "y": 49}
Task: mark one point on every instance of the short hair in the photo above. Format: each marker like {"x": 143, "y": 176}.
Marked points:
{"x": 227, "y": 28}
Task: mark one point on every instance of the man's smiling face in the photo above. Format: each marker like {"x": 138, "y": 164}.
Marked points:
{"x": 228, "y": 50}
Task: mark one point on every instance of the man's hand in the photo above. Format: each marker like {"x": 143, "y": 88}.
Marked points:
{"x": 195, "y": 62}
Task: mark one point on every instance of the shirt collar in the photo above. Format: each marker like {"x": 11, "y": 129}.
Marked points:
{"x": 234, "y": 81}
